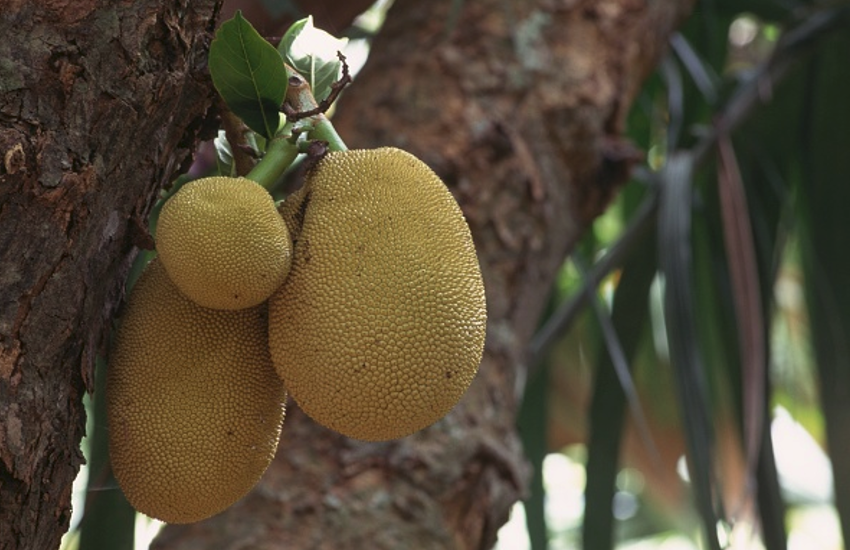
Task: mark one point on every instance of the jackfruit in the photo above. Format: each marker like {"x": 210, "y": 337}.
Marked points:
{"x": 194, "y": 405}
{"x": 223, "y": 243}
{"x": 379, "y": 328}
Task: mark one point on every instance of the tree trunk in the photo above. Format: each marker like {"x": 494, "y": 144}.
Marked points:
{"x": 520, "y": 108}
{"x": 100, "y": 103}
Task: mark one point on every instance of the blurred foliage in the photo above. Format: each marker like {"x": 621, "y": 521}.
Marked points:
{"x": 728, "y": 300}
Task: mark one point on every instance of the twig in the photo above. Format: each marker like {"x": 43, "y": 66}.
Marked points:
{"x": 336, "y": 88}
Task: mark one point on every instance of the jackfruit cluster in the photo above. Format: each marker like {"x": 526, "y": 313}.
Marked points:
{"x": 362, "y": 298}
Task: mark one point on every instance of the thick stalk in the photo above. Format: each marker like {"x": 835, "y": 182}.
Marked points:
{"x": 281, "y": 152}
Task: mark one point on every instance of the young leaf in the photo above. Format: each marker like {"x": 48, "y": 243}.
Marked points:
{"x": 249, "y": 75}
{"x": 223, "y": 155}
{"x": 313, "y": 53}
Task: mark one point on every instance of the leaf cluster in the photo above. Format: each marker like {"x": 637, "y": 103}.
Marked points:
{"x": 251, "y": 76}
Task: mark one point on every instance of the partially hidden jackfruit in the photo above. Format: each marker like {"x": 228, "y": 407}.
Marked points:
{"x": 194, "y": 405}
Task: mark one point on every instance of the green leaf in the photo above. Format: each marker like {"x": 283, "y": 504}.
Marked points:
{"x": 821, "y": 206}
{"x": 249, "y": 75}
{"x": 607, "y": 414}
{"x": 313, "y": 53}
{"x": 680, "y": 313}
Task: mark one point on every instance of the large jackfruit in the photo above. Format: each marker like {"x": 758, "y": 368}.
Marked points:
{"x": 194, "y": 405}
{"x": 379, "y": 328}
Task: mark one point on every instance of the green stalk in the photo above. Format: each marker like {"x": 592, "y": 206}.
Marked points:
{"x": 325, "y": 131}
{"x": 280, "y": 153}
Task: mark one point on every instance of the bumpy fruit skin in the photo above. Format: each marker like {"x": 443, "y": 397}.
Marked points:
{"x": 194, "y": 404}
{"x": 223, "y": 243}
{"x": 379, "y": 329}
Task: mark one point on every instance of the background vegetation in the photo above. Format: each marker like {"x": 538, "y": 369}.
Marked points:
{"x": 705, "y": 317}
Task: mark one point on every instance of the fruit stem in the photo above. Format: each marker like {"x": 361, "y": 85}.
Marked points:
{"x": 325, "y": 131}
{"x": 280, "y": 153}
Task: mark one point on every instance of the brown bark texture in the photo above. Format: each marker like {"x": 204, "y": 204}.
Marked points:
{"x": 100, "y": 102}
{"x": 520, "y": 108}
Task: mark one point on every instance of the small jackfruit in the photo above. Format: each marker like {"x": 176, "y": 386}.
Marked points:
{"x": 223, "y": 243}
{"x": 194, "y": 405}
{"x": 379, "y": 328}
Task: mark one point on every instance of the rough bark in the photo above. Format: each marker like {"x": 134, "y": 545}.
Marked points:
{"x": 520, "y": 109}
{"x": 100, "y": 102}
